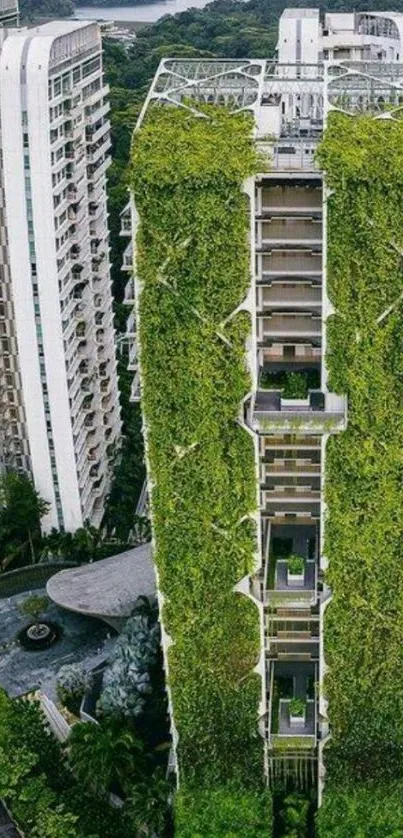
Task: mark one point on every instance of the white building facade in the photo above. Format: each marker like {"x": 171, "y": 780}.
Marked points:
{"x": 57, "y": 318}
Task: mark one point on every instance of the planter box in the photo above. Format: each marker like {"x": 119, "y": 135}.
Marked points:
{"x": 295, "y": 721}
{"x": 295, "y": 577}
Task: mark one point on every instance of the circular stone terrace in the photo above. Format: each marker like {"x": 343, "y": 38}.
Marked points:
{"x": 107, "y": 589}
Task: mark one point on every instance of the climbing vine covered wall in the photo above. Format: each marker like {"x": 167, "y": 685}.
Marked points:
{"x": 193, "y": 264}
{"x": 363, "y": 161}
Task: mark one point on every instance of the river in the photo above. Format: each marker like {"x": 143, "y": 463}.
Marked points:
{"x": 147, "y": 13}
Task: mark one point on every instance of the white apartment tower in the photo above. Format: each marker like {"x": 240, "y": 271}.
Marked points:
{"x": 59, "y": 396}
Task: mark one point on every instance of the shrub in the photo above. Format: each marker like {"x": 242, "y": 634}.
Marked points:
{"x": 360, "y": 810}
{"x": 295, "y": 385}
{"x": 295, "y": 564}
{"x": 42, "y": 794}
{"x": 193, "y": 262}
{"x": 34, "y": 606}
{"x": 297, "y": 707}
{"x": 127, "y": 681}
{"x": 220, "y": 812}
{"x": 72, "y": 682}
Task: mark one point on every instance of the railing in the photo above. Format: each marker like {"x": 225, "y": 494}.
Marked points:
{"x": 292, "y": 155}
{"x": 320, "y": 413}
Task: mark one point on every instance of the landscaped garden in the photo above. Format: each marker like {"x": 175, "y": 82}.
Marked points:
{"x": 64, "y": 790}
{"x": 193, "y": 265}
{"x": 293, "y": 385}
{"x": 363, "y": 160}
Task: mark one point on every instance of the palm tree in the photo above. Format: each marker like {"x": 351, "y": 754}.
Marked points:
{"x": 148, "y": 805}
{"x": 104, "y": 754}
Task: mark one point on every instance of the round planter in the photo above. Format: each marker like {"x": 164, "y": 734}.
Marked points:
{"x": 39, "y": 636}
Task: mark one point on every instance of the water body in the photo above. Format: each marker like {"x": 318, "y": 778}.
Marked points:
{"x": 147, "y": 13}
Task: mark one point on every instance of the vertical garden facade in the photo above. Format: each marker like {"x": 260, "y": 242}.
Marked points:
{"x": 193, "y": 272}
{"x": 362, "y": 156}
{"x": 276, "y": 516}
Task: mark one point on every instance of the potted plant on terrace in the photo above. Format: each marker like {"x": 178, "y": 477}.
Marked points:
{"x": 295, "y": 568}
{"x": 297, "y": 708}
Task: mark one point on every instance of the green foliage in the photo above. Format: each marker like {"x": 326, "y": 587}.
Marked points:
{"x": 295, "y": 564}
{"x": 102, "y": 755}
{"x": 363, "y": 159}
{"x": 296, "y": 707}
{"x": 148, "y": 804}
{"x": 193, "y": 263}
{"x": 35, "y": 782}
{"x": 227, "y": 811}
{"x": 360, "y": 811}
{"x": 21, "y": 510}
{"x": 72, "y": 681}
{"x": 294, "y": 815}
{"x": 127, "y": 679}
{"x": 34, "y": 606}
{"x": 31, "y": 10}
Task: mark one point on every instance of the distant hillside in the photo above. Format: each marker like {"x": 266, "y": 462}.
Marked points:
{"x": 33, "y": 9}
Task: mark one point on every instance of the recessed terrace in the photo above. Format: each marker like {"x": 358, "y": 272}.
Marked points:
{"x": 319, "y": 412}
{"x": 292, "y": 706}
{"x": 291, "y": 564}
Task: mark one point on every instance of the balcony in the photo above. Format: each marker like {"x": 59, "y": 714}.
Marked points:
{"x": 289, "y": 295}
{"x": 290, "y": 232}
{"x": 135, "y": 389}
{"x": 286, "y": 357}
{"x": 289, "y": 325}
{"x": 292, "y": 263}
{"x": 128, "y": 258}
{"x": 301, "y": 197}
{"x": 292, "y": 707}
{"x": 318, "y": 413}
{"x": 130, "y": 291}
{"x": 133, "y": 358}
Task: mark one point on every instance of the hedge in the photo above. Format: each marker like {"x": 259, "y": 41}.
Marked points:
{"x": 361, "y": 811}
{"x": 226, "y": 812}
{"x": 363, "y": 161}
{"x": 42, "y": 794}
{"x": 193, "y": 264}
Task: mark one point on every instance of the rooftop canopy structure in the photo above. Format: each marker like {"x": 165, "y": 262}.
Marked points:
{"x": 107, "y": 589}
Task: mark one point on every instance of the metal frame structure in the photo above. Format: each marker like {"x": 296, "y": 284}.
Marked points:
{"x": 364, "y": 88}
{"x": 183, "y": 82}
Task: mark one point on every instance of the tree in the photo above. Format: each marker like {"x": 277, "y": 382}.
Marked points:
{"x": 34, "y": 606}
{"x": 21, "y": 511}
{"x": 56, "y": 824}
{"x": 148, "y": 804}
{"x": 103, "y": 754}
